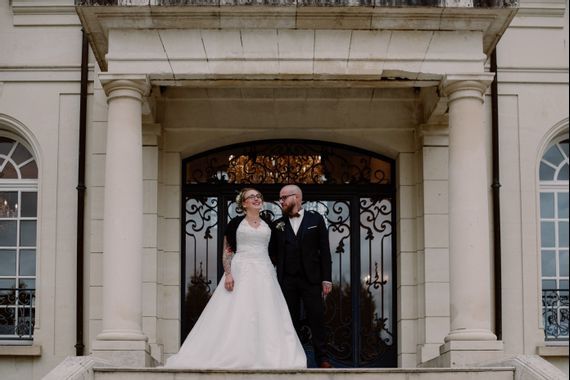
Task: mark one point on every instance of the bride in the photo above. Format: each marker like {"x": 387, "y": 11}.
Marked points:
{"x": 246, "y": 323}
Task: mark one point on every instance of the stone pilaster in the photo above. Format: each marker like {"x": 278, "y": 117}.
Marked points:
{"x": 470, "y": 339}
{"x": 122, "y": 340}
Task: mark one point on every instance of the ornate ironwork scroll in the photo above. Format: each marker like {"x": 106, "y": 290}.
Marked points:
{"x": 17, "y": 313}
{"x": 354, "y": 192}
{"x": 555, "y": 314}
{"x": 338, "y": 304}
{"x": 304, "y": 163}
{"x": 377, "y": 322}
{"x": 201, "y": 225}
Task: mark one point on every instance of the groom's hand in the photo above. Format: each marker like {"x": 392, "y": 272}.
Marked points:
{"x": 229, "y": 282}
{"x": 327, "y": 287}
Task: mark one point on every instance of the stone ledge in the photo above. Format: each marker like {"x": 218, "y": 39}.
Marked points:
{"x": 33, "y": 350}
{"x": 552, "y": 351}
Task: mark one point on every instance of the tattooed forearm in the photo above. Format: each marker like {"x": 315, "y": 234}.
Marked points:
{"x": 227, "y": 258}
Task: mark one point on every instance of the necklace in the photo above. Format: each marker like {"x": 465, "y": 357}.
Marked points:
{"x": 254, "y": 221}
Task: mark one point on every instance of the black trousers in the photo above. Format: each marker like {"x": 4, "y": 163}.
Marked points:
{"x": 296, "y": 289}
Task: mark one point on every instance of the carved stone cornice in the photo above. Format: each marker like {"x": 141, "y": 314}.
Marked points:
{"x": 466, "y": 85}
{"x": 136, "y": 86}
{"x": 99, "y": 20}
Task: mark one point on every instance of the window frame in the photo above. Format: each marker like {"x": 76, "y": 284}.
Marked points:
{"x": 556, "y": 187}
{"x": 22, "y": 185}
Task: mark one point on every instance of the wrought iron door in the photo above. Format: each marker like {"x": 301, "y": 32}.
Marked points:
{"x": 358, "y": 205}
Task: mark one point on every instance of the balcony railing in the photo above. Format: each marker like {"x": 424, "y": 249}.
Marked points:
{"x": 338, "y": 3}
{"x": 17, "y": 313}
{"x": 555, "y": 314}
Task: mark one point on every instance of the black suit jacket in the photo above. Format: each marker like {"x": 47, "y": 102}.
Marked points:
{"x": 314, "y": 245}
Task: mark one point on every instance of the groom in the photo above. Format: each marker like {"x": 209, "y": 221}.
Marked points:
{"x": 300, "y": 250}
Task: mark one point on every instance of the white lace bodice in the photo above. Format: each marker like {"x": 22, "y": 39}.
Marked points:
{"x": 252, "y": 242}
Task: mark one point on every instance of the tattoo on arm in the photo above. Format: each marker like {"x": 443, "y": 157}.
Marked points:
{"x": 227, "y": 258}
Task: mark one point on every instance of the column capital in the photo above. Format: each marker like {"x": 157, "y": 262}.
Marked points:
{"x": 465, "y": 85}
{"x": 125, "y": 85}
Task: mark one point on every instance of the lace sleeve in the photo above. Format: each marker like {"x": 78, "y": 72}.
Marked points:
{"x": 227, "y": 257}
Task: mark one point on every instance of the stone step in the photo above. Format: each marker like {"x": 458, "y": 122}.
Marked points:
{"x": 501, "y": 373}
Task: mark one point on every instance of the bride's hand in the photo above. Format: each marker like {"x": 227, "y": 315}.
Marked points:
{"x": 229, "y": 282}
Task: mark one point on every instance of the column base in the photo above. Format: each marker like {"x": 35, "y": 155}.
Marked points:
{"x": 470, "y": 335}
{"x": 467, "y": 353}
{"x": 123, "y": 353}
{"x": 120, "y": 335}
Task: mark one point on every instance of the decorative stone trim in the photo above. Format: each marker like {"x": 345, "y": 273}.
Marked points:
{"x": 552, "y": 350}
{"x": 33, "y": 350}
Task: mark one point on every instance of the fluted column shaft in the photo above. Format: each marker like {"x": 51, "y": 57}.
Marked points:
{"x": 470, "y": 256}
{"x": 123, "y": 214}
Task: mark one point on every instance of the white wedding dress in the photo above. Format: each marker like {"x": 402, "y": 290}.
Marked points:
{"x": 249, "y": 327}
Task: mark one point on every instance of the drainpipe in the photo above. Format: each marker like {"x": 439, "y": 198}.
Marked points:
{"x": 496, "y": 186}
{"x": 79, "y": 345}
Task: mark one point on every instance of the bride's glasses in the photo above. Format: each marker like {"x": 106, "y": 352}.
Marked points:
{"x": 254, "y": 196}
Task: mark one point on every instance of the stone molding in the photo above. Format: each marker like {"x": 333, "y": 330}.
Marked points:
{"x": 529, "y": 367}
{"x": 76, "y": 368}
{"x": 134, "y": 86}
{"x": 99, "y": 20}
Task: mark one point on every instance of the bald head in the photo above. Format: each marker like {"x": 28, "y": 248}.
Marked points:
{"x": 290, "y": 198}
{"x": 289, "y": 189}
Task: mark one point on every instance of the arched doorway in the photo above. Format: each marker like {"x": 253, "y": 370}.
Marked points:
{"x": 353, "y": 189}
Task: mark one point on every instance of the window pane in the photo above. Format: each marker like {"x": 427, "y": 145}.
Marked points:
{"x": 548, "y": 263}
{"x": 29, "y": 204}
{"x": 553, "y": 155}
{"x": 8, "y": 233}
{"x": 28, "y": 233}
{"x": 563, "y": 205}
{"x": 6, "y": 285}
{"x": 27, "y": 283}
{"x": 30, "y": 170}
{"x": 21, "y": 154}
{"x": 28, "y": 262}
{"x": 546, "y": 172}
{"x": 5, "y": 145}
{"x": 8, "y": 204}
{"x": 563, "y": 173}
{"x": 564, "y": 146}
{"x": 547, "y": 205}
{"x": 563, "y": 263}
{"x": 547, "y": 234}
{"x": 7, "y": 262}
{"x": 548, "y": 284}
{"x": 564, "y": 284}
{"x": 563, "y": 234}
{"x": 7, "y": 322}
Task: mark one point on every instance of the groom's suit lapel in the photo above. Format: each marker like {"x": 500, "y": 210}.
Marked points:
{"x": 289, "y": 233}
{"x": 303, "y": 226}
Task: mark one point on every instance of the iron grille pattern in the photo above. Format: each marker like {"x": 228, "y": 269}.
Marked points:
{"x": 305, "y": 163}
{"x": 555, "y": 314}
{"x": 353, "y": 190}
{"x": 377, "y": 329}
{"x": 17, "y": 313}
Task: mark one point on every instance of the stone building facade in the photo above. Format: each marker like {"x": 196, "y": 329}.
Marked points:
{"x": 433, "y": 135}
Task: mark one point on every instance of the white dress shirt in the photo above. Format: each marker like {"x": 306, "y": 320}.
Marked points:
{"x": 296, "y": 221}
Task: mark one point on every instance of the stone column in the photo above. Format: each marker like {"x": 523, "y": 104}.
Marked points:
{"x": 470, "y": 339}
{"x": 122, "y": 341}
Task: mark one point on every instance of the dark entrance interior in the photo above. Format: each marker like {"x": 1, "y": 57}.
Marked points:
{"x": 353, "y": 189}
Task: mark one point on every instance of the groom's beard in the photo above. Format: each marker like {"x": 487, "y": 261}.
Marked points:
{"x": 288, "y": 209}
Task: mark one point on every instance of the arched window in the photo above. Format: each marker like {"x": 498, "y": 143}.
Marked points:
{"x": 553, "y": 175}
{"x": 18, "y": 226}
